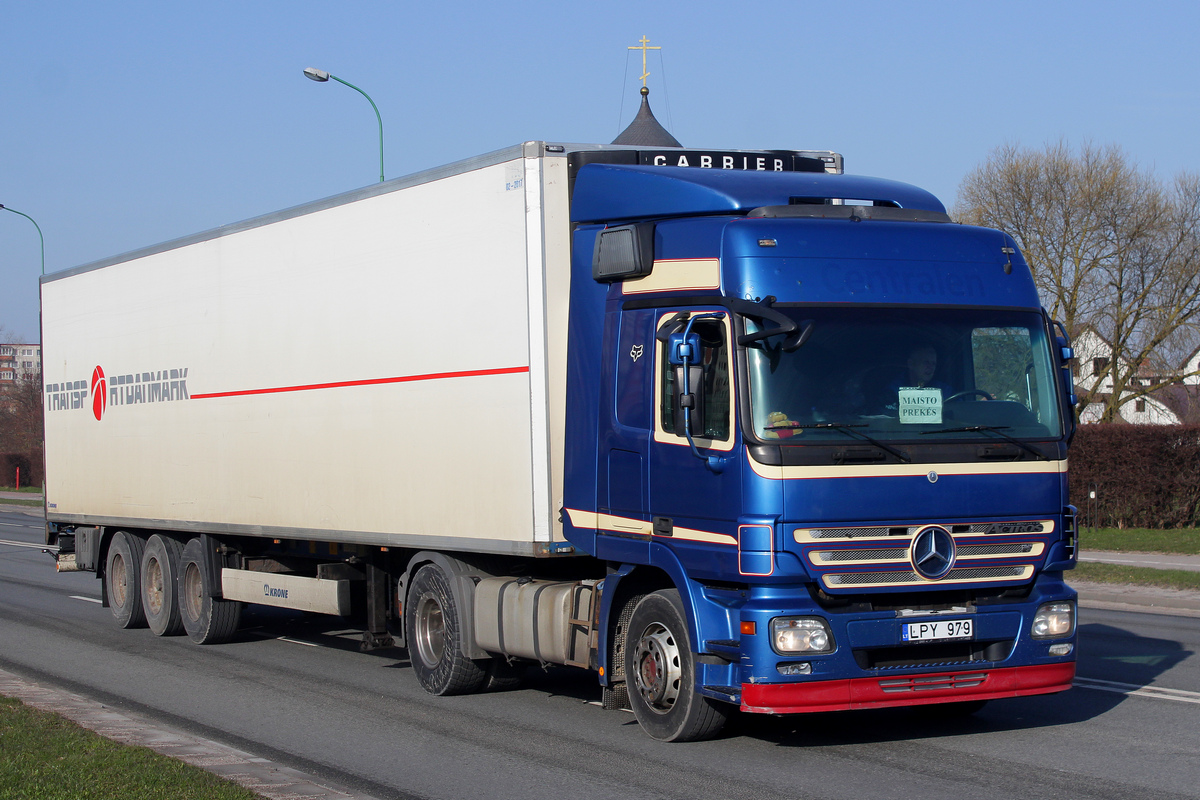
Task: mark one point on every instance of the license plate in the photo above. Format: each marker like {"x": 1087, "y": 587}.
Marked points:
{"x": 940, "y": 631}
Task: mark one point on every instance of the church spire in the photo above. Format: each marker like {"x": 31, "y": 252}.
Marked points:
{"x": 645, "y": 130}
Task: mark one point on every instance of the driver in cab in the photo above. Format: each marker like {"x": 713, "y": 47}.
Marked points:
{"x": 921, "y": 368}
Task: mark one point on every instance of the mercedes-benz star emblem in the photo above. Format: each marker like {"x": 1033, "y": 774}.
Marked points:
{"x": 932, "y": 553}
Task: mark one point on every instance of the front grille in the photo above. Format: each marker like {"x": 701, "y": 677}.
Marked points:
{"x": 909, "y": 576}
{"x": 994, "y": 549}
{"x": 935, "y": 655}
{"x": 889, "y": 554}
{"x": 843, "y": 533}
{"x": 908, "y": 531}
{"x": 923, "y": 683}
{"x": 901, "y": 553}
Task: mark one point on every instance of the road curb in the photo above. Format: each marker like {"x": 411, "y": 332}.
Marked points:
{"x": 262, "y": 775}
{"x": 1139, "y": 599}
{"x": 1104, "y": 605}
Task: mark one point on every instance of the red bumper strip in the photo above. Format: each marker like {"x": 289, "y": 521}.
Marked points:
{"x": 906, "y": 690}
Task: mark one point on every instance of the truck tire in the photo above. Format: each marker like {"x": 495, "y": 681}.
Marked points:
{"x": 206, "y": 619}
{"x": 661, "y": 675}
{"x": 122, "y": 579}
{"x": 160, "y": 585}
{"x": 434, "y": 633}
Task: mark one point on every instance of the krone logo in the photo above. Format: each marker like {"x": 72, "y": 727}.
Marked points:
{"x": 99, "y": 392}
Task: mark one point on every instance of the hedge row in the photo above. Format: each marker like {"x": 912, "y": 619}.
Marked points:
{"x": 1144, "y": 476}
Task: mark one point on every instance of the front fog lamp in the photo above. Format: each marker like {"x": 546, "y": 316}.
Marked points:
{"x": 800, "y": 635}
{"x": 1053, "y": 620}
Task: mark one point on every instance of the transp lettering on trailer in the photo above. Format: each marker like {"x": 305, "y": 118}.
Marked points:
{"x": 271, "y": 591}
{"x": 135, "y": 388}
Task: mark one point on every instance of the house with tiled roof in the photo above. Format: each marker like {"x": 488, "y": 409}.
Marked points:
{"x": 1175, "y": 399}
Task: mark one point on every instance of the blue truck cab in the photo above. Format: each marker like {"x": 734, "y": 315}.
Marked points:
{"x": 820, "y": 430}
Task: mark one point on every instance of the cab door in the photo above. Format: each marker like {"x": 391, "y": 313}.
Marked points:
{"x": 693, "y": 497}
{"x": 623, "y": 475}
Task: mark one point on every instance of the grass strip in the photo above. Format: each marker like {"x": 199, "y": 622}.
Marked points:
{"x": 1181, "y": 541}
{"x": 47, "y": 757}
{"x": 14, "y": 502}
{"x": 1094, "y": 572}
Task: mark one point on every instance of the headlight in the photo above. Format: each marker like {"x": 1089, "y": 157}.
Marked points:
{"x": 1054, "y": 620}
{"x": 800, "y": 635}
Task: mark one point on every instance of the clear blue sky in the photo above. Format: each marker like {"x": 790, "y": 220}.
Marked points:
{"x": 125, "y": 124}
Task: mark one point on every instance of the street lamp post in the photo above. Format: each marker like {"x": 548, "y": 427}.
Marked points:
{"x": 321, "y": 76}
{"x": 39, "y": 230}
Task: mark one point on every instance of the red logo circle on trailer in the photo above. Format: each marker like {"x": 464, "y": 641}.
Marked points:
{"x": 99, "y": 392}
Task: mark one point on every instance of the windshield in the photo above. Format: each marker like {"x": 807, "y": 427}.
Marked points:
{"x": 927, "y": 374}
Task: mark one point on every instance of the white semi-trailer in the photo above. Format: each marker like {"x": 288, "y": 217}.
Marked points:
{"x": 623, "y": 408}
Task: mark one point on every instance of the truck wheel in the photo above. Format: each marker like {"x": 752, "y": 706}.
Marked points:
{"x": 122, "y": 579}
{"x": 661, "y": 676}
{"x": 435, "y": 637}
{"x": 206, "y": 619}
{"x": 160, "y": 589}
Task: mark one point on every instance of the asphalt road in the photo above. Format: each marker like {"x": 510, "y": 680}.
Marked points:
{"x": 296, "y": 689}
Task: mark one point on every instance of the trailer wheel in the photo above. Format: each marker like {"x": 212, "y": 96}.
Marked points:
{"x": 160, "y": 585}
{"x": 435, "y": 634}
{"x": 206, "y": 619}
{"x": 661, "y": 675}
{"x": 122, "y": 579}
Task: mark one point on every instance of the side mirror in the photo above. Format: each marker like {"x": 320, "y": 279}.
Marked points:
{"x": 624, "y": 252}
{"x": 683, "y": 349}
{"x": 693, "y": 400}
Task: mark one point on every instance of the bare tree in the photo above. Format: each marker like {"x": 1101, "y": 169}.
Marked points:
{"x": 1110, "y": 247}
{"x": 21, "y": 411}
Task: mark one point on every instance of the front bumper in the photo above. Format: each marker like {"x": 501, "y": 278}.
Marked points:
{"x": 988, "y": 683}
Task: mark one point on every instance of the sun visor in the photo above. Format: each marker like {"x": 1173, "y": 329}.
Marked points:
{"x": 612, "y": 192}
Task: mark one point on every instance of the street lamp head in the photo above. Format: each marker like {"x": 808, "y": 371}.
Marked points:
{"x": 314, "y": 74}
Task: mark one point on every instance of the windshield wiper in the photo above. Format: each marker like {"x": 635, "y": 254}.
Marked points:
{"x": 848, "y": 429}
{"x": 999, "y": 431}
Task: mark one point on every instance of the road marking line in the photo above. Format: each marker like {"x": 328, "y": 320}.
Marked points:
{"x": 297, "y": 641}
{"x": 87, "y": 599}
{"x": 21, "y": 544}
{"x": 1156, "y": 692}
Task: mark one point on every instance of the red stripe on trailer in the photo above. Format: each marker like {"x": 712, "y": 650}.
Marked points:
{"x": 434, "y": 376}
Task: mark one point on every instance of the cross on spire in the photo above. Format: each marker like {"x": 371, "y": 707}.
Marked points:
{"x": 644, "y": 42}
